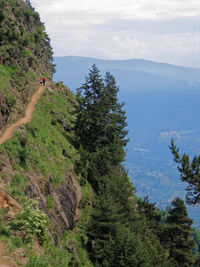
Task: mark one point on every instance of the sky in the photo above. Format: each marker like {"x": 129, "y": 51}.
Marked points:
{"x": 159, "y": 30}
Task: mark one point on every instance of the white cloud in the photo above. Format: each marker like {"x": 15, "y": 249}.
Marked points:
{"x": 174, "y": 134}
{"x": 125, "y": 9}
{"x": 166, "y": 30}
{"x": 141, "y": 150}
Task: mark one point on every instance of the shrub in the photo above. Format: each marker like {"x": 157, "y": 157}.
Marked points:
{"x": 4, "y": 230}
{"x": 10, "y": 100}
{"x": 30, "y": 219}
{"x": 17, "y": 241}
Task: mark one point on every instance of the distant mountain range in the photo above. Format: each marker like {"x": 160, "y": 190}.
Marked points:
{"x": 161, "y": 102}
{"x": 133, "y": 74}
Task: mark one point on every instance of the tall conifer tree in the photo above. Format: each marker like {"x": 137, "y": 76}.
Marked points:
{"x": 88, "y": 125}
{"x": 190, "y": 173}
{"x": 113, "y": 235}
{"x": 100, "y": 120}
{"x": 178, "y": 235}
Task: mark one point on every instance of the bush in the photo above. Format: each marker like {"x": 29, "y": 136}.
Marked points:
{"x": 4, "y": 230}
{"x": 10, "y": 100}
{"x": 17, "y": 241}
{"x": 30, "y": 219}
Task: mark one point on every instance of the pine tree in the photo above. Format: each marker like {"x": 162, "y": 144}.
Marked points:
{"x": 190, "y": 173}
{"x": 116, "y": 118}
{"x": 100, "y": 126}
{"x": 151, "y": 214}
{"x": 127, "y": 249}
{"x": 89, "y": 119}
{"x": 110, "y": 241}
{"x": 102, "y": 227}
{"x": 178, "y": 235}
{"x": 101, "y": 120}
{"x": 117, "y": 234}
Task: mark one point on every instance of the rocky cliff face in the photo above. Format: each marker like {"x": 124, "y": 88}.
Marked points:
{"x": 67, "y": 196}
{"x": 65, "y": 212}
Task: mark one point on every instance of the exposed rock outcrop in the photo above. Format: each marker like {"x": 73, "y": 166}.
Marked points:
{"x": 8, "y": 202}
{"x": 66, "y": 202}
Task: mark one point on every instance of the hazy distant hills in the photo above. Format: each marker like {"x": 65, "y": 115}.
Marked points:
{"x": 133, "y": 74}
{"x": 161, "y": 102}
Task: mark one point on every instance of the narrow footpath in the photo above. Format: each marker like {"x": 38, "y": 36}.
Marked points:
{"x": 8, "y": 132}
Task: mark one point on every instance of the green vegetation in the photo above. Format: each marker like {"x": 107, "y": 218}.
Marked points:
{"x": 177, "y": 234}
{"x": 115, "y": 228}
{"x": 50, "y": 202}
{"x": 25, "y": 55}
{"x": 65, "y": 167}
{"x": 45, "y": 147}
{"x": 20, "y": 31}
{"x": 30, "y": 220}
{"x": 190, "y": 173}
{"x": 123, "y": 230}
{"x": 118, "y": 235}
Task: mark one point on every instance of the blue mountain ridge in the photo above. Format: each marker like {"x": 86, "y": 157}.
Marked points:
{"x": 161, "y": 102}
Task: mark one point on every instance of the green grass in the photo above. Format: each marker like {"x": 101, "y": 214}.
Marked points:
{"x": 17, "y": 185}
{"x": 44, "y": 147}
{"x": 53, "y": 256}
{"x": 50, "y": 202}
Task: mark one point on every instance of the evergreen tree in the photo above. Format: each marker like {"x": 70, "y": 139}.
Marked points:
{"x": 90, "y": 111}
{"x": 152, "y": 215}
{"x": 102, "y": 227}
{"x": 100, "y": 126}
{"x": 190, "y": 173}
{"x": 127, "y": 249}
{"x": 117, "y": 234}
{"x": 116, "y": 118}
{"x": 101, "y": 120}
{"x": 177, "y": 235}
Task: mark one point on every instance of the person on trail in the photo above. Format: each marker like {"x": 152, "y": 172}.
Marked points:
{"x": 43, "y": 81}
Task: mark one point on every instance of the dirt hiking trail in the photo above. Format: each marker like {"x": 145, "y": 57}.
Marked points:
{"x": 8, "y": 133}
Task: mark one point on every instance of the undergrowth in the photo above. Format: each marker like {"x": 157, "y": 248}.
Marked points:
{"x": 45, "y": 146}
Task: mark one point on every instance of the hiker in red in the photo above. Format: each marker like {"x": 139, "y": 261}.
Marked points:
{"x": 44, "y": 80}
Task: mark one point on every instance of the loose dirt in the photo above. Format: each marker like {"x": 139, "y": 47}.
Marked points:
{"x": 8, "y": 133}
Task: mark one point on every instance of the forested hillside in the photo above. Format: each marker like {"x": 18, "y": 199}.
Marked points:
{"x": 65, "y": 197}
{"x": 162, "y": 101}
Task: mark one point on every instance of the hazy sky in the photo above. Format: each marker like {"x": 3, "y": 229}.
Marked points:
{"x": 160, "y": 30}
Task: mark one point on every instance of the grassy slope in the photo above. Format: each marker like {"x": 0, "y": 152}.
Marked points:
{"x": 37, "y": 148}
{"x": 25, "y": 55}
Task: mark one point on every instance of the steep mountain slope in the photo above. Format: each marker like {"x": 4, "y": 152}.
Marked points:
{"x": 65, "y": 197}
{"x": 8, "y": 133}
{"x": 25, "y": 55}
{"x": 38, "y": 162}
{"x": 40, "y": 194}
